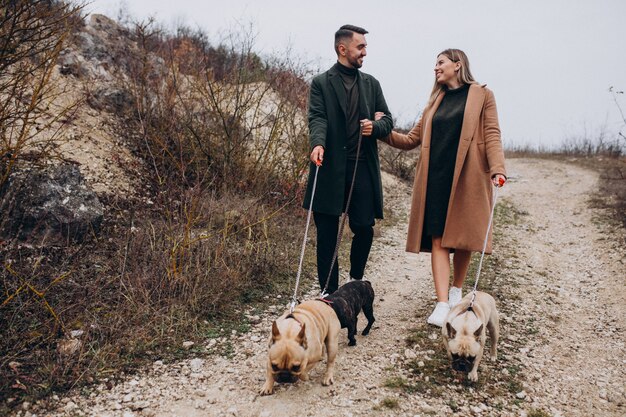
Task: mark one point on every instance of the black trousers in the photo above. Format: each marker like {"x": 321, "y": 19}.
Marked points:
{"x": 361, "y": 221}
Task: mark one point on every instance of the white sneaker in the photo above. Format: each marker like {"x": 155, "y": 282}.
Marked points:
{"x": 454, "y": 296}
{"x": 439, "y": 314}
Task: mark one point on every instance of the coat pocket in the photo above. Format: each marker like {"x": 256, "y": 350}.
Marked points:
{"x": 482, "y": 156}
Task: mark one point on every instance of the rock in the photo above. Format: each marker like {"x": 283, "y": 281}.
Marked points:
{"x": 521, "y": 395}
{"x": 115, "y": 100}
{"x": 70, "y": 406}
{"x": 68, "y": 347}
{"x": 188, "y": 345}
{"x": 196, "y": 365}
{"x": 49, "y": 207}
{"x": 76, "y": 333}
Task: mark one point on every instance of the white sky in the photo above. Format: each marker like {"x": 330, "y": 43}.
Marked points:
{"x": 549, "y": 62}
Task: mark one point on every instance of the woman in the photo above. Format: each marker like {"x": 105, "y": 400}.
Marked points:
{"x": 461, "y": 157}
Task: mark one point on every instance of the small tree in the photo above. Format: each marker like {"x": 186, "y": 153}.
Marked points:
{"x": 32, "y": 35}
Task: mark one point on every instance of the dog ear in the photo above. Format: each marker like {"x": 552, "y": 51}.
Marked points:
{"x": 302, "y": 336}
{"x": 275, "y": 332}
{"x": 478, "y": 331}
{"x": 451, "y": 331}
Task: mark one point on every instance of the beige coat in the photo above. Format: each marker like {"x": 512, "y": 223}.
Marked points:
{"x": 479, "y": 157}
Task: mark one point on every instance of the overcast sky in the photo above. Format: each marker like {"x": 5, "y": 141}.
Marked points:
{"x": 549, "y": 62}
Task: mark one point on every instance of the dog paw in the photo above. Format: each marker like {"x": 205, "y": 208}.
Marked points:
{"x": 328, "y": 380}
{"x": 352, "y": 342}
{"x": 304, "y": 376}
{"x": 268, "y": 389}
{"x": 473, "y": 376}
{"x": 365, "y": 332}
{"x": 493, "y": 358}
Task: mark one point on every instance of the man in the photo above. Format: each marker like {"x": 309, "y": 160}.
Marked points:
{"x": 342, "y": 101}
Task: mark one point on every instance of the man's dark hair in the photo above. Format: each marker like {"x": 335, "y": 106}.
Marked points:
{"x": 345, "y": 33}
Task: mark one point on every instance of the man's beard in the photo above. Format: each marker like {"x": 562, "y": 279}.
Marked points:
{"x": 355, "y": 62}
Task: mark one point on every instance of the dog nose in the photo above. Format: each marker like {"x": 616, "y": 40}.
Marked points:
{"x": 285, "y": 377}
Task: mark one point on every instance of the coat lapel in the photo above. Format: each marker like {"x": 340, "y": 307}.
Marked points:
{"x": 428, "y": 121}
{"x": 471, "y": 116}
{"x": 340, "y": 92}
{"x": 364, "y": 111}
{"x": 473, "y": 108}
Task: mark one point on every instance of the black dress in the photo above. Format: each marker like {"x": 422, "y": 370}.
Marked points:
{"x": 446, "y": 132}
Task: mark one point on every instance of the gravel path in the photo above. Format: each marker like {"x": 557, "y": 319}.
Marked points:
{"x": 560, "y": 290}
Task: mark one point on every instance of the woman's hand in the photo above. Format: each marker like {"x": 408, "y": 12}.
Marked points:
{"x": 498, "y": 180}
{"x": 378, "y": 115}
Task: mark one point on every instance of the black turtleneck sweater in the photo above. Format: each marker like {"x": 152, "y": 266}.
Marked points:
{"x": 446, "y": 133}
{"x": 349, "y": 77}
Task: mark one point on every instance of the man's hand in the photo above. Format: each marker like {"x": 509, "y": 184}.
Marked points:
{"x": 317, "y": 155}
{"x": 366, "y": 127}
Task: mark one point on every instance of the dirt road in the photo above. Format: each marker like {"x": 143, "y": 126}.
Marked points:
{"x": 559, "y": 283}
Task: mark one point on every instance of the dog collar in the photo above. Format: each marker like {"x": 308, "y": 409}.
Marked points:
{"x": 325, "y": 301}
{"x": 471, "y": 308}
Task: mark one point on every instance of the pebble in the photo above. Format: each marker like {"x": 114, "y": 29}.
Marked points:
{"x": 196, "y": 365}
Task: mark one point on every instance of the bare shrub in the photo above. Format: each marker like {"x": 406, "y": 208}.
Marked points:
{"x": 399, "y": 162}
{"x": 32, "y": 35}
{"x": 217, "y": 135}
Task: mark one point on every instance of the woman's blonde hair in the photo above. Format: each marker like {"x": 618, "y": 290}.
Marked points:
{"x": 464, "y": 74}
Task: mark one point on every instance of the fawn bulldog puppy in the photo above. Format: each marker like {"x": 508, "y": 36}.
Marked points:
{"x": 464, "y": 333}
{"x": 297, "y": 344}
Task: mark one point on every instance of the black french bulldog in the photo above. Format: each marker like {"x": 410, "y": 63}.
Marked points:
{"x": 348, "y": 301}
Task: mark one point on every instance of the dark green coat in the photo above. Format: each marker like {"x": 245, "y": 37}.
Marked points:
{"x": 327, "y": 127}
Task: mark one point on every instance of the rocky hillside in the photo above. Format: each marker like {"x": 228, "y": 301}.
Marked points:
{"x": 150, "y": 184}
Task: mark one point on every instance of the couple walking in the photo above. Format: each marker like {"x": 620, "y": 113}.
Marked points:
{"x": 460, "y": 158}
